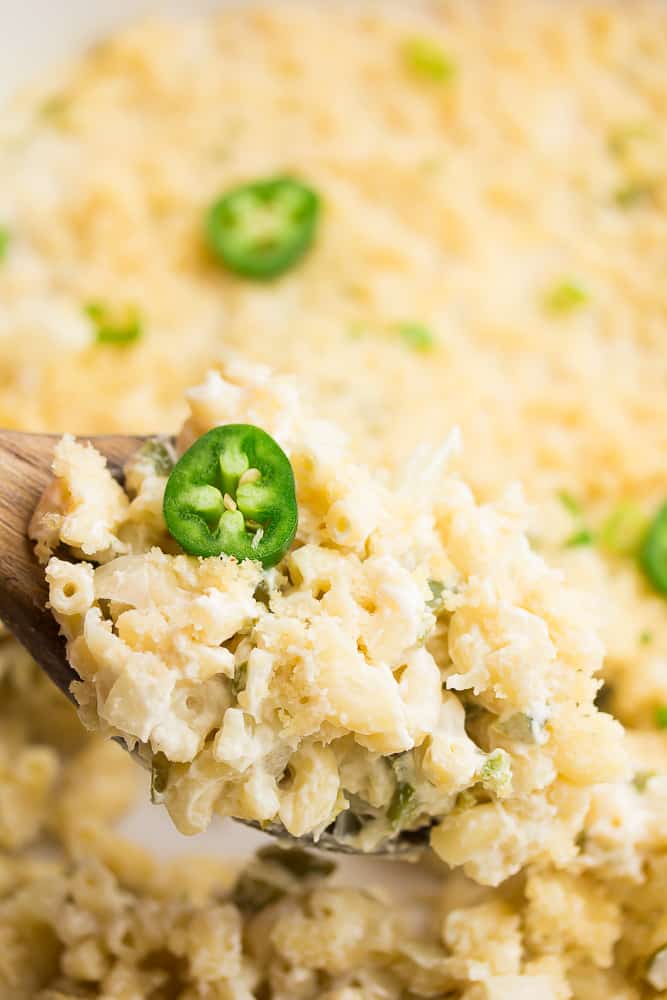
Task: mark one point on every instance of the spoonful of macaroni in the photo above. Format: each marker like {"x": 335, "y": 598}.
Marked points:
{"x": 282, "y": 638}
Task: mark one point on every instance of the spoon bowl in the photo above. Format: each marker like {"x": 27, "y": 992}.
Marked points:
{"x": 25, "y": 473}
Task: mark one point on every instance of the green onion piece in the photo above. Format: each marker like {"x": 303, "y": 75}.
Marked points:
{"x": 5, "y": 240}
{"x": 116, "y": 327}
{"x": 645, "y": 638}
{"x": 400, "y": 803}
{"x": 417, "y": 336}
{"x": 623, "y": 530}
{"x": 633, "y": 194}
{"x": 301, "y": 864}
{"x": 565, "y": 298}
{"x": 579, "y": 539}
{"x": 427, "y": 60}
{"x": 661, "y": 716}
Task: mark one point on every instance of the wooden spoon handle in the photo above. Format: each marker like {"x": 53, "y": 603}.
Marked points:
{"x": 25, "y": 472}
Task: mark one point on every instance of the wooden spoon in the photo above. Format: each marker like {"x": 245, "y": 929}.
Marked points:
{"x": 25, "y": 472}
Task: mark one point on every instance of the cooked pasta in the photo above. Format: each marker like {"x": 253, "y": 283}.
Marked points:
{"x": 489, "y": 256}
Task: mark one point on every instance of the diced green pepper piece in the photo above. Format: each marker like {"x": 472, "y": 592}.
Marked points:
{"x": 653, "y": 552}
{"x": 240, "y": 679}
{"x": 623, "y": 530}
{"x": 263, "y": 593}
{"x": 634, "y": 193}
{"x": 5, "y": 240}
{"x": 565, "y": 297}
{"x": 417, "y": 336}
{"x": 401, "y": 803}
{"x": 579, "y": 538}
{"x": 425, "y": 59}
{"x": 621, "y": 137}
{"x": 523, "y": 728}
{"x": 157, "y": 454}
{"x": 274, "y": 872}
{"x": 116, "y": 327}
{"x": 496, "y": 773}
{"x": 570, "y": 503}
{"x": 54, "y": 110}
